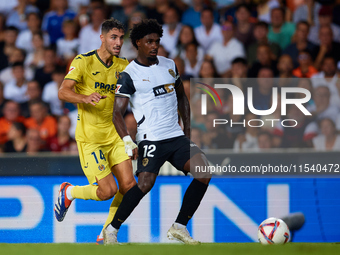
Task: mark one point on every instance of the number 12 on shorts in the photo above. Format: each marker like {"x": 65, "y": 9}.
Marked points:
{"x": 148, "y": 150}
{"x": 101, "y": 154}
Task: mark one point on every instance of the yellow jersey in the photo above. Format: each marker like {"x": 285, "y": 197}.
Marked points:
{"x": 94, "y": 123}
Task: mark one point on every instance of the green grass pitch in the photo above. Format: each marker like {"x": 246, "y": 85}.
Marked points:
{"x": 172, "y": 249}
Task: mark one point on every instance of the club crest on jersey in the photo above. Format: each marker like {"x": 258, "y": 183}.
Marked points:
{"x": 101, "y": 167}
{"x": 117, "y": 74}
{"x": 172, "y": 73}
{"x": 71, "y": 69}
{"x": 145, "y": 161}
{"x": 163, "y": 89}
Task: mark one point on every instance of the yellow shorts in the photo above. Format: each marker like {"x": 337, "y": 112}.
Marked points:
{"x": 98, "y": 159}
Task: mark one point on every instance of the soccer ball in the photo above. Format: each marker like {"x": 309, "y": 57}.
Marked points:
{"x": 273, "y": 231}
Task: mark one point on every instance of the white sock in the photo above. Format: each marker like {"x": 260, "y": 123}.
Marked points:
{"x": 101, "y": 235}
{"x": 111, "y": 228}
{"x": 68, "y": 193}
{"x": 179, "y": 225}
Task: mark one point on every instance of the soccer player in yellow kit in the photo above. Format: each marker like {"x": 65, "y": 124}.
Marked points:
{"x": 91, "y": 83}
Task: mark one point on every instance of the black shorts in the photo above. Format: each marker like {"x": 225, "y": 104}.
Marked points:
{"x": 153, "y": 154}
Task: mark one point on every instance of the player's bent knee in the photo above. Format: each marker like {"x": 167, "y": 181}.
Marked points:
{"x": 106, "y": 196}
{"x": 145, "y": 186}
{"x": 126, "y": 186}
{"x": 195, "y": 164}
{"x": 146, "y": 181}
{"x": 107, "y": 193}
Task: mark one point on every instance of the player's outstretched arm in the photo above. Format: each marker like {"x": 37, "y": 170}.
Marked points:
{"x": 183, "y": 108}
{"x": 66, "y": 93}
{"x": 120, "y": 106}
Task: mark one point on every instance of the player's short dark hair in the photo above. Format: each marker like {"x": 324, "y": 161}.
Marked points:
{"x": 143, "y": 28}
{"x": 239, "y": 60}
{"x": 110, "y": 24}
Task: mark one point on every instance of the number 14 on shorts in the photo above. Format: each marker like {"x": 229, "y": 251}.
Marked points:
{"x": 101, "y": 155}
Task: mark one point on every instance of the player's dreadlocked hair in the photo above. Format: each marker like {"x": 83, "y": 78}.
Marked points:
{"x": 143, "y": 28}
{"x": 110, "y": 24}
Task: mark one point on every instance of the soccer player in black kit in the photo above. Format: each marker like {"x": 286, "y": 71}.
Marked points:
{"x": 153, "y": 86}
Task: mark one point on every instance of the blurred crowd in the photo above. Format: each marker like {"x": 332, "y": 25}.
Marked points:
{"x": 295, "y": 41}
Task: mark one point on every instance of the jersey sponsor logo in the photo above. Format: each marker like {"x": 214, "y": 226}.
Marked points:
{"x": 107, "y": 87}
{"x": 146, "y": 79}
{"x": 71, "y": 69}
{"x": 172, "y": 73}
{"x": 163, "y": 89}
{"x": 96, "y": 73}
